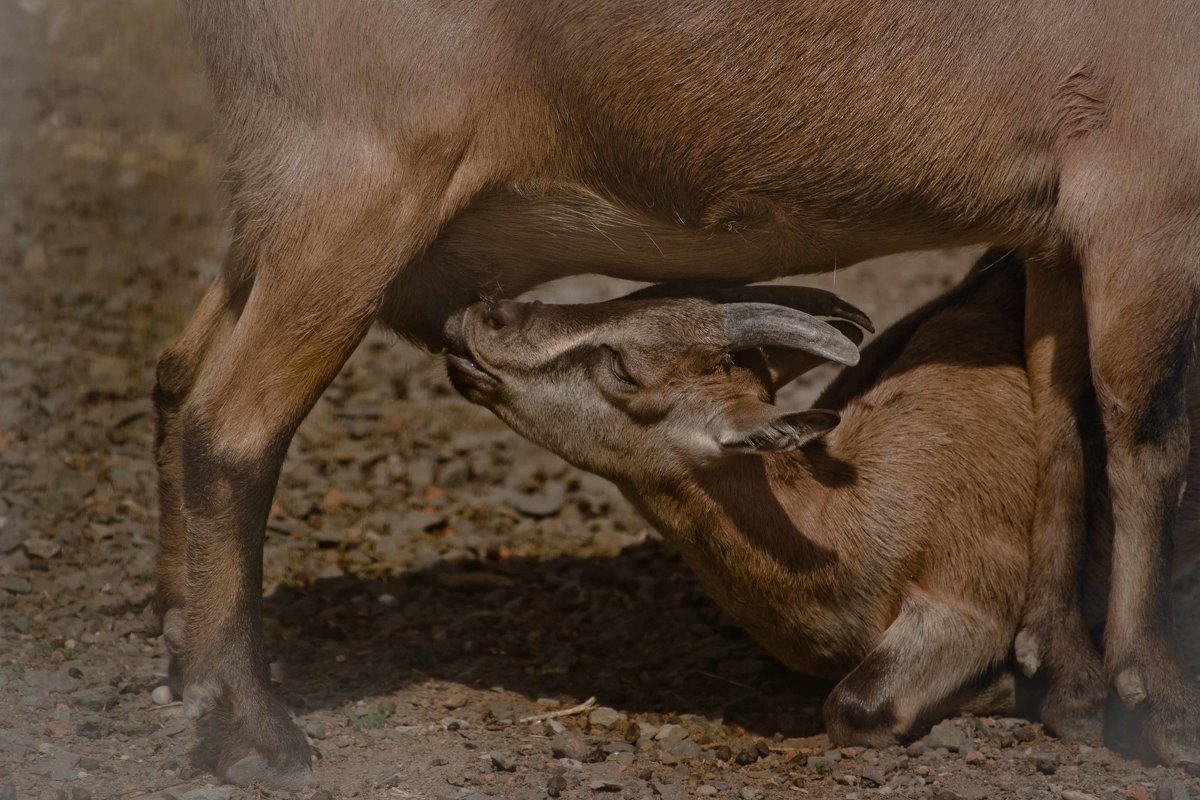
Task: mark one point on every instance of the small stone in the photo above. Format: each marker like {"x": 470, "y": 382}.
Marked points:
{"x": 605, "y": 786}
{"x": 670, "y": 791}
{"x": 647, "y": 731}
{"x": 949, "y": 736}
{"x": 80, "y": 793}
{"x": 1172, "y": 789}
{"x": 670, "y": 733}
{"x": 553, "y": 727}
{"x": 545, "y": 503}
{"x": 605, "y": 717}
{"x": 1135, "y": 792}
{"x": 1024, "y": 733}
{"x": 161, "y": 695}
{"x": 724, "y": 753}
{"x": 707, "y": 791}
{"x": 976, "y": 758}
{"x": 503, "y": 762}
{"x": 455, "y": 700}
{"x": 873, "y": 776}
{"x": 751, "y": 793}
{"x": 1072, "y": 794}
{"x": 208, "y": 793}
{"x": 569, "y": 747}
{"x": 556, "y": 784}
{"x": 1046, "y": 763}
{"x": 42, "y": 548}
{"x": 685, "y": 750}
{"x": 15, "y": 584}
{"x": 89, "y": 764}
{"x": 322, "y": 794}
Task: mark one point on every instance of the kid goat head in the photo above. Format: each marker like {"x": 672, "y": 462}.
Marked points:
{"x": 589, "y": 382}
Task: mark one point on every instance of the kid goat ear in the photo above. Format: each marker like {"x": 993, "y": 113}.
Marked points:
{"x": 779, "y": 434}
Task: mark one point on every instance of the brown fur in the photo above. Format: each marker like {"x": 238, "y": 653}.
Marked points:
{"x": 891, "y": 552}
{"x": 395, "y": 161}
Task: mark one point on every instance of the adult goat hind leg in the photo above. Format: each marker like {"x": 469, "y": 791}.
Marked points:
{"x": 1054, "y": 639}
{"x": 1142, "y": 291}
{"x": 321, "y": 270}
{"x": 178, "y": 368}
{"x": 928, "y": 661}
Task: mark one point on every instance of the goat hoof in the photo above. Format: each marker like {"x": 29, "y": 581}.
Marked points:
{"x": 1130, "y": 687}
{"x": 1028, "y": 653}
{"x": 1172, "y": 727}
{"x": 1074, "y": 706}
{"x": 257, "y": 769}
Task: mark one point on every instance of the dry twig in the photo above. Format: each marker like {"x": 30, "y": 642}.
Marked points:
{"x": 586, "y": 705}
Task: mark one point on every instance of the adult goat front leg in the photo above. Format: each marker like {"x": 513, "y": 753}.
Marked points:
{"x": 178, "y": 368}
{"x": 320, "y": 271}
{"x": 1142, "y": 292}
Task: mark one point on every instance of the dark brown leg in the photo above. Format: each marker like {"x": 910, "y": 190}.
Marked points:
{"x": 1054, "y": 637}
{"x": 1142, "y": 295}
{"x": 177, "y": 371}
{"x": 322, "y": 266}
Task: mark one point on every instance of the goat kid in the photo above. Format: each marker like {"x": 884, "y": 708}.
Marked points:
{"x": 891, "y": 547}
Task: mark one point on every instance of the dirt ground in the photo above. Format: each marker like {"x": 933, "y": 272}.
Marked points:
{"x": 432, "y": 579}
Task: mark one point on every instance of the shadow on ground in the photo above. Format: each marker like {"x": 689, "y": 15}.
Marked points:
{"x": 636, "y": 631}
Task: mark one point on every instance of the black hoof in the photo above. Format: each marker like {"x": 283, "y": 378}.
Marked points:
{"x": 1074, "y": 707}
{"x": 1173, "y": 726}
{"x": 256, "y": 769}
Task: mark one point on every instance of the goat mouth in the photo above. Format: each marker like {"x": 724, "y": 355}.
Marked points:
{"x": 467, "y": 365}
{"x": 466, "y": 370}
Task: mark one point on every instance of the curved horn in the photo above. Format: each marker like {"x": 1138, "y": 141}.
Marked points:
{"x": 816, "y": 302}
{"x": 751, "y": 325}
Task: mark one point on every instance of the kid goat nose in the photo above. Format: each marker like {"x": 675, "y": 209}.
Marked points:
{"x": 502, "y": 314}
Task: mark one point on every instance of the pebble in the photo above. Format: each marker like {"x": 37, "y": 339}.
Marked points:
{"x": 605, "y": 786}
{"x": 1172, "y": 789}
{"x": 605, "y": 717}
{"x": 1046, "y": 763}
{"x": 707, "y": 790}
{"x": 503, "y": 762}
{"x": 669, "y": 791}
{"x": 15, "y": 584}
{"x": 161, "y": 695}
{"x": 316, "y": 729}
{"x": 208, "y": 793}
{"x": 548, "y": 502}
{"x": 556, "y": 784}
{"x": 42, "y": 548}
{"x": 751, "y": 793}
{"x": 949, "y": 736}
{"x": 670, "y": 733}
{"x": 873, "y": 776}
{"x": 1072, "y": 794}
{"x": 569, "y": 747}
